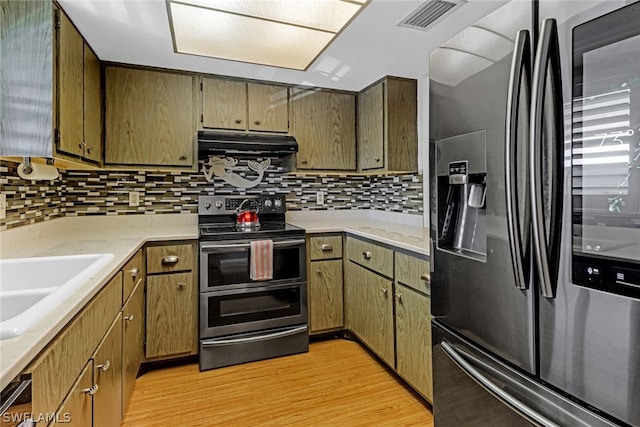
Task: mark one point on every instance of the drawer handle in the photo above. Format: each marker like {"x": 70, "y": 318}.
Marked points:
{"x": 366, "y": 254}
{"x": 129, "y": 317}
{"x": 181, "y": 285}
{"x": 105, "y": 366}
{"x": 170, "y": 259}
{"x": 304, "y": 162}
{"x": 425, "y": 278}
{"x": 91, "y": 390}
{"x": 134, "y": 272}
{"x": 384, "y": 290}
{"x": 326, "y": 247}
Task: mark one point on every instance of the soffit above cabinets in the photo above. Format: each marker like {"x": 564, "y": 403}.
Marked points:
{"x": 370, "y": 47}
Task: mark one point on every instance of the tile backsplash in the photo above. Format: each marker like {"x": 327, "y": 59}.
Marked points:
{"x": 103, "y": 192}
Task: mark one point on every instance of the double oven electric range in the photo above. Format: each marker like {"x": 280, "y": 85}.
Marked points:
{"x": 243, "y": 320}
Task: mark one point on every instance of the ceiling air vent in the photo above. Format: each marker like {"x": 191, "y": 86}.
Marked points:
{"x": 429, "y": 13}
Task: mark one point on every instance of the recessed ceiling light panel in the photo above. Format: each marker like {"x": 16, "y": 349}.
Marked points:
{"x": 280, "y": 33}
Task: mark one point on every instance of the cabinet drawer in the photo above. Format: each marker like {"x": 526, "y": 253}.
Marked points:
{"x": 413, "y": 272}
{"x": 325, "y": 247}
{"x": 370, "y": 255}
{"x": 133, "y": 273}
{"x": 162, "y": 259}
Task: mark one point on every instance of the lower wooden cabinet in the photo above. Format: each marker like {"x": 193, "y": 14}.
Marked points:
{"x": 324, "y": 286}
{"x": 132, "y": 341}
{"x": 171, "y": 304}
{"x": 77, "y": 409}
{"x": 369, "y": 302}
{"x": 107, "y": 376}
{"x": 387, "y": 306}
{"x": 413, "y": 339}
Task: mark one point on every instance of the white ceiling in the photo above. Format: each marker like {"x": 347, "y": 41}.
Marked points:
{"x": 137, "y": 32}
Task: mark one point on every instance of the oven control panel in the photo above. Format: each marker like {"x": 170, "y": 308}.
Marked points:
{"x": 225, "y": 205}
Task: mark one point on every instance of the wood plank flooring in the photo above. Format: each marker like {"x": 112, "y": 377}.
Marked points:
{"x": 337, "y": 383}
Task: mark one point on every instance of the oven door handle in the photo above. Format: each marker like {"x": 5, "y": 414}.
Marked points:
{"x": 218, "y": 342}
{"x": 216, "y": 246}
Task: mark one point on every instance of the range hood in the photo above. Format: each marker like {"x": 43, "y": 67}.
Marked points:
{"x": 245, "y": 144}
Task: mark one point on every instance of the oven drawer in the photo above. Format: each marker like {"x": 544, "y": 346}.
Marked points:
{"x": 168, "y": 258}
{"x": 241, "y": 348}
{"x": 370, "y": 255}
{"x": 325, "y": 247}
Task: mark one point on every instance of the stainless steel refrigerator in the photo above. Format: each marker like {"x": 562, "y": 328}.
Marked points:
{"x": 535, "y": 217}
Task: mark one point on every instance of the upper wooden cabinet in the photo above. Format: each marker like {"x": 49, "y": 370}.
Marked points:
{"x": 387, "y": 126}
{"x": 52, "y": 98}
{"x": 79, "y": 119}
{"x": 324, "y": 124}
{"x": 246, "y": 106}
{"x": 149, "y": 118}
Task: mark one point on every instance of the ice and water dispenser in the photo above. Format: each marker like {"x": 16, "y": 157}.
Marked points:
{"x": 462, "y": 189}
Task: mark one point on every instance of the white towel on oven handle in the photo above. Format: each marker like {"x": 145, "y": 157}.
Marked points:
{"x": 261, "y": 263}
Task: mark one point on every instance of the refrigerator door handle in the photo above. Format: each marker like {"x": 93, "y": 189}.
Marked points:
{"x": 494, "y": 389}
{"x": 547, "y": 54}
{"x": 520, "y": 64}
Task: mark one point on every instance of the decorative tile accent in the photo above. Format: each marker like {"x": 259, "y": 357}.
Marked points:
{"x": 81, "y": 193}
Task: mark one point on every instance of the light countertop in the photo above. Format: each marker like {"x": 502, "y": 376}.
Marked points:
{"x": 120, "y": 235}
{"x": 399, "y": 230}
{"x": 123, "y": 235}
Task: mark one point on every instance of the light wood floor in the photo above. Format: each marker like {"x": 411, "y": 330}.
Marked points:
{"x": 338, "y": 383}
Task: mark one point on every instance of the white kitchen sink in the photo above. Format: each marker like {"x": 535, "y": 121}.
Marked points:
{"x": 30, "y": 288}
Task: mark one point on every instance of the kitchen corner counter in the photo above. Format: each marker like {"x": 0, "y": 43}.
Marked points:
{"x": 120, "y": 235}
{"x": 399, "y": 230}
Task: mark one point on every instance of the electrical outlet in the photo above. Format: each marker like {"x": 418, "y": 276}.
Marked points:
{"x": 3, "y": 206}
{"x": 320, "y": 198}
{"x": 134, "y": 198}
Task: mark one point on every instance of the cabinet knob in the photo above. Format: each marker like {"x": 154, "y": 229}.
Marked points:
{"x": 129, "y": 317}
{"x": 89, "y": 150}
{"x": 170, "y": 259}
{"x": 257, "y": 122}
{"x": 182, "y": 158}
{"x": 134, "y": 272}
{"x": 326, "y": 247}
{"x": 80, "y": 145}
{"x": 105, "y": 366}
{"x": 91, "y": 390}
{"x": 399, "y": 297}
{"x": 377, "y": 160}
{"x": 384, "y": 290}
{"x": 319, "y": 271}
{"x": 425, "y": 278}
{"x": 181, "y": 285}
{"x": 238, "y": 121}
{"x": 366, "y": 254}
{"x": 304, "y": 162}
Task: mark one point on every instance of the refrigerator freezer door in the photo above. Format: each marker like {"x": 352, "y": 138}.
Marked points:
{"x": 474, "y": 288}
{"x": 589, "y": 338}
{"x": 472, "y": 388}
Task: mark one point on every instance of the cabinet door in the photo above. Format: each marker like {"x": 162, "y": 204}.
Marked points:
{"x": 413, "y": 339}
{"x": 132, "y": 342}
{"x": 149, "y": 118}
{"x": 93, "y": 117}
{"x": 77, "y": 409}
{"x": 371, "y": 128}
{"x": 268, "y": 107}
{"x": 324, "y": 126}
{"x": 370, "y": 310}
{"x": 107, "y": 369}
{"x": 325, "y": 295}
{"x": 70, "y": 87}
{"x": 171, "y": 319}
{"x": 224, "y": 104}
